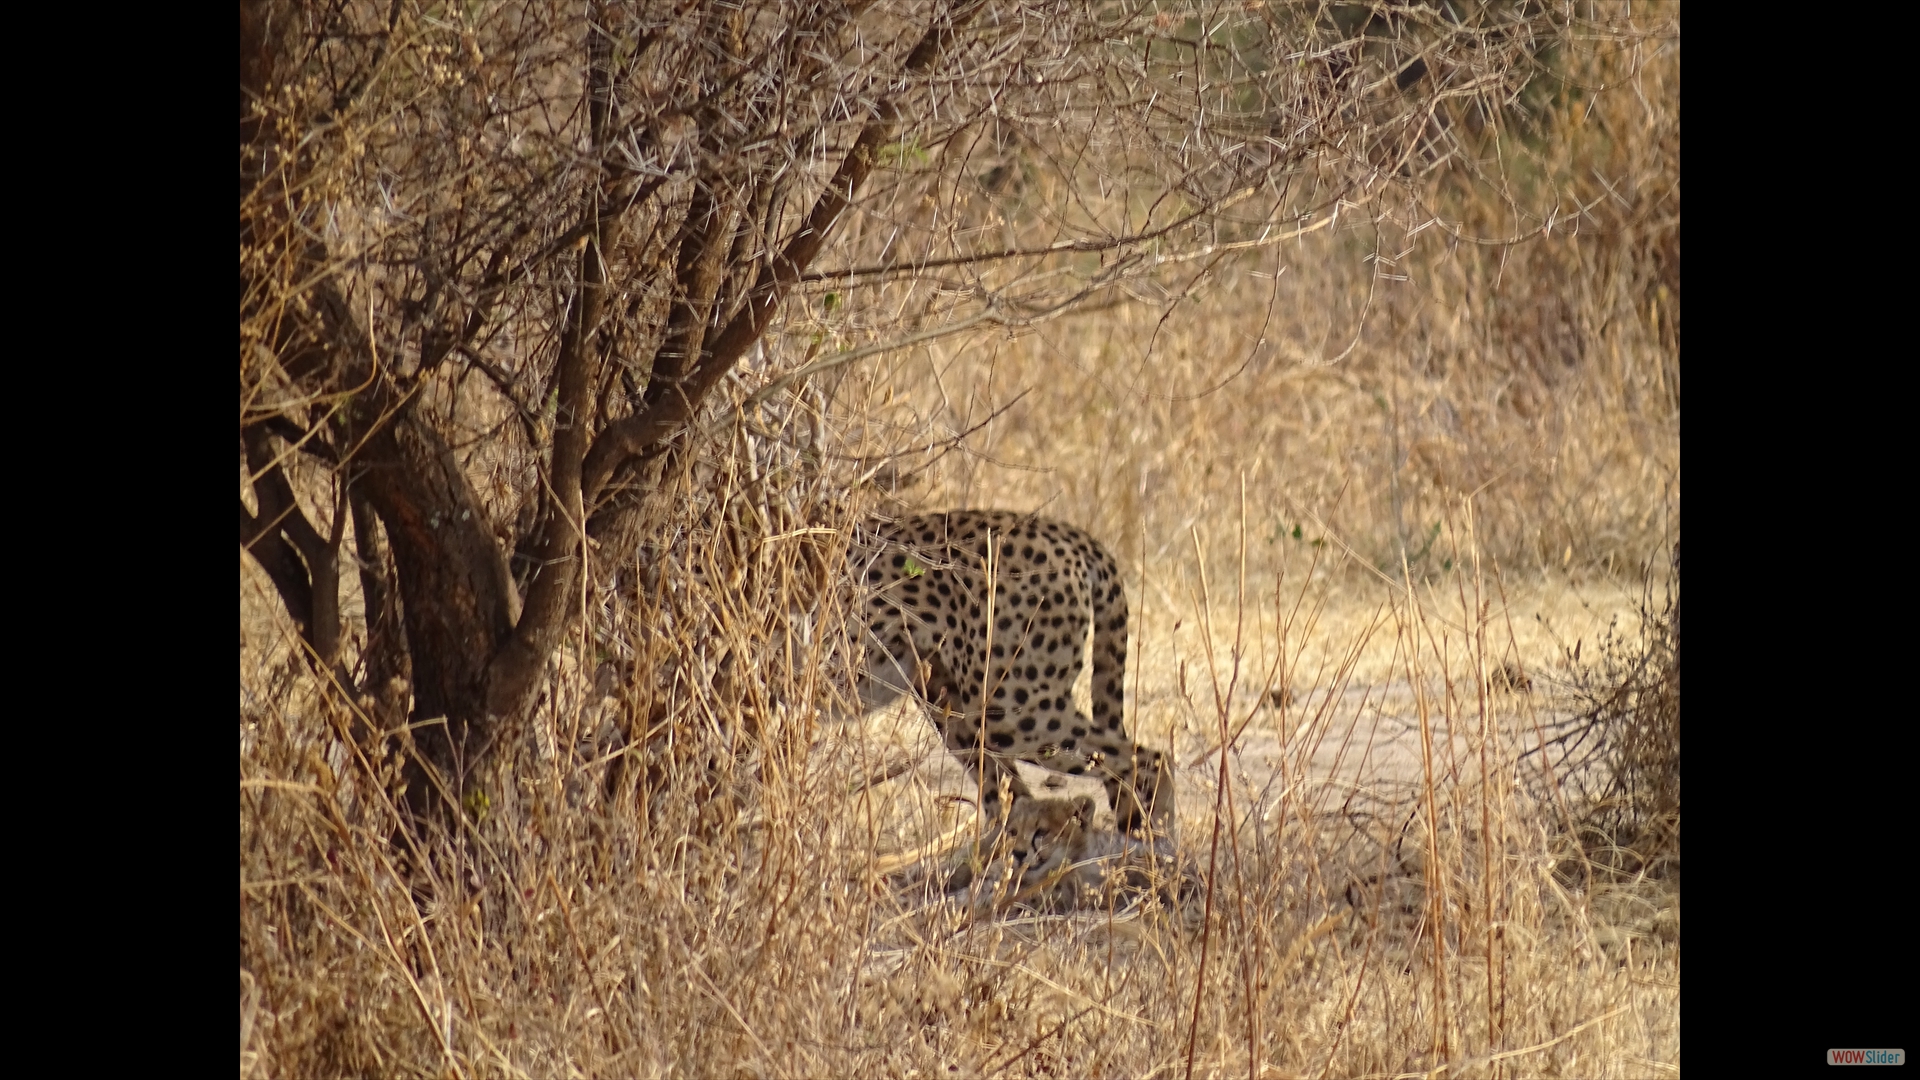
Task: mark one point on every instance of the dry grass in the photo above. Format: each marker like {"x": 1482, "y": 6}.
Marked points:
{"x": 1417, "y": 484}
{"x": 1374, "y": 910}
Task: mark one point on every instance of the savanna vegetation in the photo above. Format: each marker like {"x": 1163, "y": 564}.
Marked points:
{"x": 575, "y": 338}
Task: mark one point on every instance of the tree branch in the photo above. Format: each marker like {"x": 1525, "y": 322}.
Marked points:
{"x": 312, "y": 594}
{"x": 277, "y": 557}
{"x": 660, "y": 420}
{"x": 384, "y": 656}
{"x": 514, "y": 670}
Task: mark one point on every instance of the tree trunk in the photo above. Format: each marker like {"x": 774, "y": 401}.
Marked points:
{"x": 388, "y": 674}
{"x": 456, "y": 598}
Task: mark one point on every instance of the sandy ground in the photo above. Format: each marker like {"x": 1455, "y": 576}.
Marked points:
{"x": 1344, "y": 731}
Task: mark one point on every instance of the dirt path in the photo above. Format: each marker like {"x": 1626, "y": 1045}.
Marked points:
{"x": 1327, "y": 751}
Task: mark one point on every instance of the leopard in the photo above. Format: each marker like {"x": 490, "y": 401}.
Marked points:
{"x": 996, "y": 668}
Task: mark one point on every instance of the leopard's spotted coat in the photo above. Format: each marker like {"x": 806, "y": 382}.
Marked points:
{"x": 997, "y": 669}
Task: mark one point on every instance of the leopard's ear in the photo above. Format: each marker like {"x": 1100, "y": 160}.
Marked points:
{"x": 1083, "y": 807}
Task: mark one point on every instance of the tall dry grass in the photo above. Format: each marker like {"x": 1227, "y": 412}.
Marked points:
{"x": 1362, "y": 378}
{"x": 1340, "y": 471}
{"x": 1363, "y": 901}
